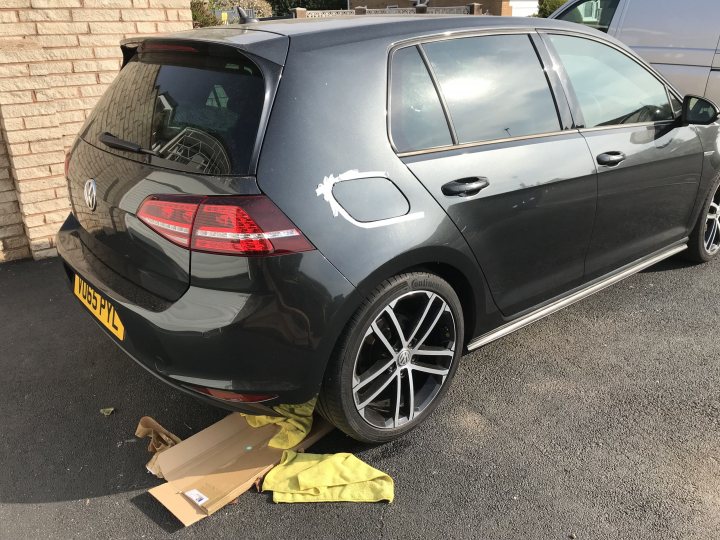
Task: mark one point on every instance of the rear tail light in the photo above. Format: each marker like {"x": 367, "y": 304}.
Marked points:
{"x": 248, "y": 226}
{"x": 170, "y": 217}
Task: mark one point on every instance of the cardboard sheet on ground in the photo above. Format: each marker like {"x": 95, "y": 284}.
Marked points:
{"x": 210, "y": 469}
{"x": 160, "y": 440}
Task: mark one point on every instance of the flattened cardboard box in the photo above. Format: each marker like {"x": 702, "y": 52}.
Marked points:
{"x": 213, "y": 467}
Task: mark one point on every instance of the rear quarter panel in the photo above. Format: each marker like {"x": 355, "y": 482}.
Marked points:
{"x": 329, "y": 118}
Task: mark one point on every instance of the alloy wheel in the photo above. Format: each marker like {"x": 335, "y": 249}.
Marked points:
{"x": 404, "y": 359}
{"x": 712, "y": 225}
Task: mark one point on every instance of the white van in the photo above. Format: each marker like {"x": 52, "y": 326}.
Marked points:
{"x": 680, "y": 39}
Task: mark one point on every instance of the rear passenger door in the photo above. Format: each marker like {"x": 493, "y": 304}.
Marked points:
{"x": 649, "y": 166}
{"x": 475, "y": 119}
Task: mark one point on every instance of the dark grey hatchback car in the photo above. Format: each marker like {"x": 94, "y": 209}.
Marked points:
{"x": 267, "y": 212}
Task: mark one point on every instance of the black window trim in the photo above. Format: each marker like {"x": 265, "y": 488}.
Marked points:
{"x": 579, "y": 119}
{"x": 439, "y": 92}
{"x": 388, "y": 102}
{"x": 554, "y": 87}
{"x": 557, "y": 89}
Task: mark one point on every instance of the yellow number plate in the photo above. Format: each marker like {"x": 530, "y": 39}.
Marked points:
{"x": 103, "y": 310}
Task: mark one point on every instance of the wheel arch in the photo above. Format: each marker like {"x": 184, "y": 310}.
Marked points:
{"x": 459, "y": 269}
{"x": 462, "y": 287}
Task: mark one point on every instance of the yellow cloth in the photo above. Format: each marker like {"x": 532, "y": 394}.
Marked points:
{"x": 295, "y": 423}
{"x": 327, "y": 478}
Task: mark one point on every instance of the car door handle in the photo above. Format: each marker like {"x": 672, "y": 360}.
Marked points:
{"x": 611, "y": 159}
{"x": 465, "y": 187}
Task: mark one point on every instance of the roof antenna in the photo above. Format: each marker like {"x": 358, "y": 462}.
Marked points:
{"x": 244, "y": 17}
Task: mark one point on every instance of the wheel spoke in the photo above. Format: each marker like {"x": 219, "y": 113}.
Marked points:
{"x": 411, "y": 395}
{"x": 432, "y": 325}
{"x": 383, "y": 339}
{"x": 710, "y": 241}
{"x": 431, "y": 370}
{"x": 714, "y": 211}
{"x": 709, "y": 231}
{"x": 376, "y": 372}
{"x": 435, "y": 351}
{"x": 431, "y": 299}
{"x": 375, "y": 394}
{"x": 391, "y": 315}
{"x": 398, "y": 398}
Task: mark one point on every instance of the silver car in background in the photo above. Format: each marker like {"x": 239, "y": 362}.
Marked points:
{"x": 680, "y": 39}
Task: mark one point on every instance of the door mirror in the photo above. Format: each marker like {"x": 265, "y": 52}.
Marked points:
{"x": 699, "y": 111}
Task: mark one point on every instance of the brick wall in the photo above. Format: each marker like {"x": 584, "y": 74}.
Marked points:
{"x": 13, "y": 243}
{"x": 57, "y": 57}
{"x": 498, "y": 7}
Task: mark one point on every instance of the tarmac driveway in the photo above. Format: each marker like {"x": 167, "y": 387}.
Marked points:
{"x": 598, "y": 422}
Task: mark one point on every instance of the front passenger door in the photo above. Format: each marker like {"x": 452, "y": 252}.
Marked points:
{"x": 649, "y": 166}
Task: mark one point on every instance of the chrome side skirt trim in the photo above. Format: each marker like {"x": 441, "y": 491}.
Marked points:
{"x": 597, "y": 286}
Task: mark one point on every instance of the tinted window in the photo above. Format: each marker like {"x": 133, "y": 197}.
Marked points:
{"x": 198, "y": 113}
{"x": 595, "y": 13}
{"x": 494, "y": 86}
{"x": 611, "y": 88}
{"x": 417, "y": 120}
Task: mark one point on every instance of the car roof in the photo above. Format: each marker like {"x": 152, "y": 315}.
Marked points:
{"x": 358, "y": 28}
{"x": 402, "y": 23}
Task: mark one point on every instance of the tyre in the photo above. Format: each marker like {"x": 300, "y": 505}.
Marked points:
{"x": 394, "y": 364}
{"x": 704, "y": 241}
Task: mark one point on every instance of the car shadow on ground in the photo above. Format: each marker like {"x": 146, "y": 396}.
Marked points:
{"x": 673, "y": 263}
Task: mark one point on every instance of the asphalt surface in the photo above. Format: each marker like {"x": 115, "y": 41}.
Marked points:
{"x": 601, "y": 421}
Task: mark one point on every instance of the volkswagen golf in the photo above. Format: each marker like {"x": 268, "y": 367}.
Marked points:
{"x": 268, "y": 212}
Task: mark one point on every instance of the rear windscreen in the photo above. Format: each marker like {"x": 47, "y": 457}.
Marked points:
{"x": 194, "y": 111}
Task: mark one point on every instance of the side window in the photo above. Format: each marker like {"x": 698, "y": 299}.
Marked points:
{"x": 611, "y": 88}
{"x": 494, "y": 86}
{"x": 417, "y": 121}
{"x": 597, "y": 14}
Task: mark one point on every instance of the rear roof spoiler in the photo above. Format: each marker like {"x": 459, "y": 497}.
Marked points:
{"x": 267, "y": 45}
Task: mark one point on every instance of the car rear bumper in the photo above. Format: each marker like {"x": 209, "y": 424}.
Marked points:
{"x": 268, "y": 331}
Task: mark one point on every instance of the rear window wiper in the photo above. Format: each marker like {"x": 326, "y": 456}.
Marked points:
{"x": 108, "y": 139}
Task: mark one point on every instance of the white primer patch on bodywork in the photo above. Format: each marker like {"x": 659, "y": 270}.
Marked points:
{"x": 324, "y": 189}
